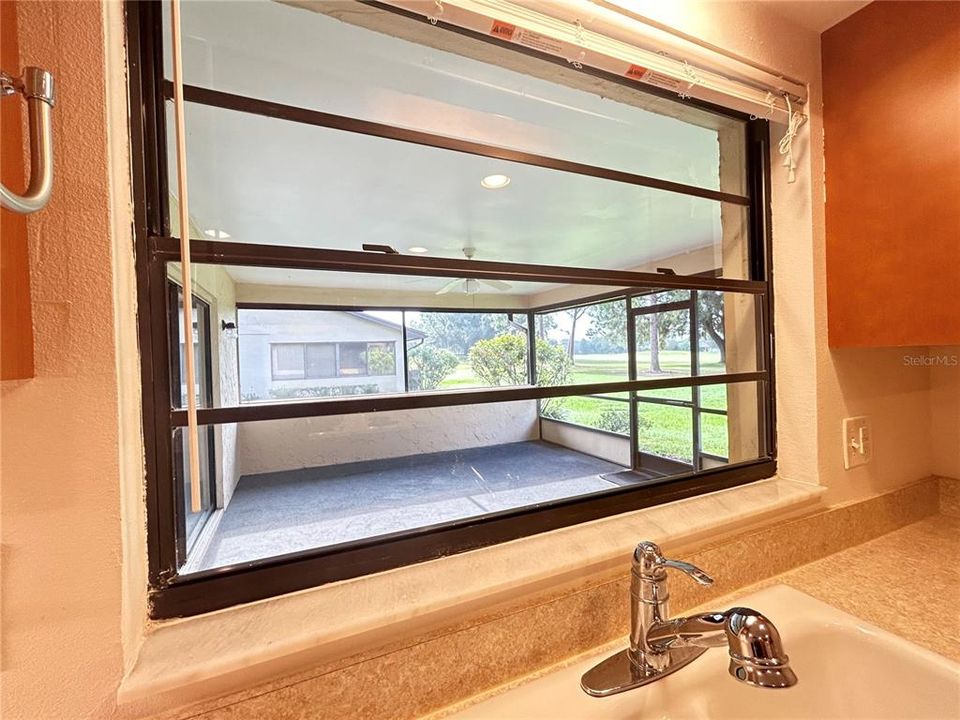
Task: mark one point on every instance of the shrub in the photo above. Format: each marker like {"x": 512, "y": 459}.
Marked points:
{"x": 429, "y": 366}
{"x": 553, "y": 409}
{"x": 381, "y": 362}
{"x": 323, "y": 391}
{"x": 503, "y": 361}
{"x": 614, "y": 419}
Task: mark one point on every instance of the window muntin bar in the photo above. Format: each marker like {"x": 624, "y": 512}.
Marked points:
{"x": 305, "y": 260}
{"x": 370, "y": 403}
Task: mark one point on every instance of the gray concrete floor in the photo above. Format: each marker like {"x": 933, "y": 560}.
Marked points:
{"x": 283, "y": 512}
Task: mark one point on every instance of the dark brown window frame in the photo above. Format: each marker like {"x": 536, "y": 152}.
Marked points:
{"x": 174, "y": 595}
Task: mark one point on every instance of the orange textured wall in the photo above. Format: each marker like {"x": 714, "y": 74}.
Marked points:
{"x": 59, "y": 448}
{"x": 891, "y": 96}
{"x": 16, "y": 324}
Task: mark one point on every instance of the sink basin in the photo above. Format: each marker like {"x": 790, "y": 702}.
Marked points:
{"x": 847, "y": 668}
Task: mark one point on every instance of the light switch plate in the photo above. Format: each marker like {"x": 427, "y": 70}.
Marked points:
{"x": 857, "y": 441}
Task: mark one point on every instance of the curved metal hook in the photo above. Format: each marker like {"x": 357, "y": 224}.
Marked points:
{"x": 36, "y": 86}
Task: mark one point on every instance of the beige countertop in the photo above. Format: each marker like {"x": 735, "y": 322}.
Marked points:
{"x": 906, "y": 582}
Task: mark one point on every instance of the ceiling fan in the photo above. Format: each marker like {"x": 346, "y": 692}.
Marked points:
{"x": 471, "y": 286}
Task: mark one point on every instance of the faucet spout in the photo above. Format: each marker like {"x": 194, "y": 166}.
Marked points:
{"x": 756, "y": 652}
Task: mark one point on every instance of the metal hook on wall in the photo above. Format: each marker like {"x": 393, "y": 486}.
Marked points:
{"x": 36, "y": 85}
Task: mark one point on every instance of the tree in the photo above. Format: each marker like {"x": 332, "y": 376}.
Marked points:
{"x": 608, "y": 323}
{"x": 458, "y": 331}
{"x": 545, "y": 323}
{"x": 574, "y": 314}
{"x": 430, "y": 365}
{"x": 710, "y": 315}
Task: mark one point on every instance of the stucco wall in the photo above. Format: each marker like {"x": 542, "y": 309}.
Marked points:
{"x": 59, "y": 442}
{"x": 272, "y": 445}
{"x": 610, "y": 447}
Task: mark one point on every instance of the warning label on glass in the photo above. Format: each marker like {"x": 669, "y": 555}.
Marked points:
{"x": 502, "y": 30}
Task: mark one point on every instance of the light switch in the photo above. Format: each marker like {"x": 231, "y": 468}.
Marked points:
{"x": 857, "y": 441}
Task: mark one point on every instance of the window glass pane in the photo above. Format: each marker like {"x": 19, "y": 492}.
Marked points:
{"x": 287, "y": 360}
{"x": 352, "y": 359}
{"x": 433, "y": 198}
{"x": 299, "y": 484}
{"x": 321, "y": 360}
{"x": 437, "y": 84}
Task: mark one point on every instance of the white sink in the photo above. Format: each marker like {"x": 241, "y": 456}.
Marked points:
{"x": 847, "y": 668}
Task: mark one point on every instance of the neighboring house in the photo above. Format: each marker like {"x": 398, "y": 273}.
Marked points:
{"x": 292, "y": 354}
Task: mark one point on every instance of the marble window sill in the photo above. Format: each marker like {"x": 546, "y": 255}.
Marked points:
{"x": 220, "y": 652}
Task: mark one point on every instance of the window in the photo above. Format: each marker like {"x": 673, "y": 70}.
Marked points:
{"x": 319, "y": 360}
{"x": 310, "y": 361}
{"x": 589, "y": 337}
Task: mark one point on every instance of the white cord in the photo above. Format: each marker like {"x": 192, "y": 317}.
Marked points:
{"x": 193, "y": 436}
{"x": 794, "y": 121}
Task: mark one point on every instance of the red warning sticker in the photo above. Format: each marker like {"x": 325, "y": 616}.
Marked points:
{"x": 502, "y": 30}
{"x": 636, "y": 72}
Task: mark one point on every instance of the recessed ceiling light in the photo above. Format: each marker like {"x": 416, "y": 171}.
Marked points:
{"x": 217, "y": 234}
{"x": 417, "y": 249}
{"x": 495, "y": 182}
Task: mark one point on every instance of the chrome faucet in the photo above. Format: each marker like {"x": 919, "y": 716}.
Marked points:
{"x": 660, "y": 646}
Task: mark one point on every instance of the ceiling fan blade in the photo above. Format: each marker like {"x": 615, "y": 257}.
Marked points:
{"x": 497, "y": 284}
{"x": 449, "y": 286}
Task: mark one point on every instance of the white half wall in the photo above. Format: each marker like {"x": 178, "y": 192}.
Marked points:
{"x": 274, "y": 445}
{"x": 603, "y": 445}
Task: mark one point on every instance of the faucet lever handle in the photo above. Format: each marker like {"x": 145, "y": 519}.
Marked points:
{"x": 692, "y": 570}
{"x": 649, "y": 559}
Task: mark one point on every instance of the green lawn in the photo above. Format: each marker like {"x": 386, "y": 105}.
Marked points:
{"x": 664, "y": 430}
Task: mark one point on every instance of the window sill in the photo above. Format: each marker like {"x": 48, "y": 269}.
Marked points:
{"x": 223, "y": 651}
